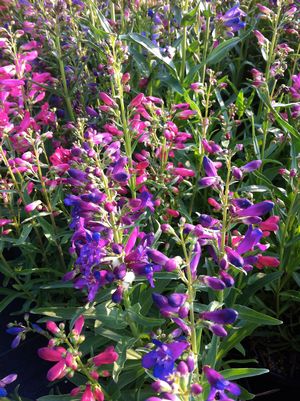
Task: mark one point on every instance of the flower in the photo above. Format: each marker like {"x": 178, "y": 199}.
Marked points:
{"x": 232, "y": 19}
{"x": 4, "y": 382}
{"x": 218, "y": 385}
{"x": 221, "y": 316}
{"x": 162, "y": 359}
{"x": 295, "y": 89}
{"x": 106, "y": 357}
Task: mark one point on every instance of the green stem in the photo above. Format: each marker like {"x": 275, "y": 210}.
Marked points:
{"x": 63, "y": 75}
{"x": 184, "y": 43}
{"x": 49, "y": 207}
{"x": 191, "y": 298}
{"x": 12, "y": 274}
{"x": 206, "y": 41}
{"x": 132, "y": 324}
{"x": 225, "y": 208}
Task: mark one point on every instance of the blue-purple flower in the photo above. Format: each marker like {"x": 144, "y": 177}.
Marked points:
{"x": 4, "y": 382}
{"x": 162, "y": 359}
{"x": 219, "y": 385}
{"x": 232, "y": 20}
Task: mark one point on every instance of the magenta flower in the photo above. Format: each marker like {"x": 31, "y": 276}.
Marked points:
{"x": 106, "y": 357}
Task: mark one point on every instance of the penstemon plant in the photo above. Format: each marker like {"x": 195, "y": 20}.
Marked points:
{"x": 150, "y": 192}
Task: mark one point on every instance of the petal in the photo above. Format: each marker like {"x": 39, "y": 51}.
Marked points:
{"x": 177, "y": 348}
{"x": 148, "y": 360}
{"x": 162, "y": 371}
{"x": 57, "y": 371}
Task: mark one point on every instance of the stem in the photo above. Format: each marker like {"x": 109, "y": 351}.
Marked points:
{"x": 206, "y": 41}
{"x": 123, "y": 118}
{"x": 132, "y": 324}
{"x": 191, "y": 298}
{"x": 15, "y": 277}
{"x": 225, "y": 208}
{"x": 63, "y": 75}
{"x": 112, "y": 12}
{"x": 184, "y": 43}
{"x": 49, "y": 207}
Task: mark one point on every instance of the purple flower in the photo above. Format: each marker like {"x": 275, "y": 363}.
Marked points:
{"x": 214, "y": 283}
{"x": 208, "y": 181}
{"x": 256, "y": 210}
{"x": 162, "y": 359}
{"x": 251, "y": 238}
{"x": 295, "y": 89}
{"x": 221, "y": 316}
{"x": 232, "y": 19}
{"x": 252, "y": 166}
{"x": 234, "y": 257}
{"x": 195, "y": 260}
{"x": 218, "y": 385}
{"x": 4, "y": 382}
{"x": 209, "y": 167}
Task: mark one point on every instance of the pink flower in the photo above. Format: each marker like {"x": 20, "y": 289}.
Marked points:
{"x": 32, "y": 206}
{"x": 58, "y": 371}
{"x": 186, "y": 114}
{"x": 78, "y": 325}
{"x": 260, "y": 37}
{"x": 3, "y": 222}
{"x": 88, "y": 394}
{"x": 51, "y": 354}
{"x": 107, "y": 99}
{"x": 183, "y": 172}
{"x": 266, "y": 261}
{"x": 108, "y": 356}
{"x": 271, "y": 224}
{"x": 52, "y": 327}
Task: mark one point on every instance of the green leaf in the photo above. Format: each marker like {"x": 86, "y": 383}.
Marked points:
{"x": 252, "y": 316}
{"x": 8, "y": 299}
{"x": 24, "y": 234}
{"x": 234, "y": 338}
{"x": 240, "y": 373}
{"x": 221, "y": 51}
{"x": 144, "y": 321}
{"x": 190, "y": 17}
{"x": 110, "y": 317}
{"x": 171, "y": 82}
{"x": 260, "y": 281}
{"x": 291, "y": 294}
{"x": 58, "y": 398}
{"x": 61, "y": 313}
{"x": 151, "y": 48}
{"x": 287, "y": 127}
{"x": 240, "y": 104}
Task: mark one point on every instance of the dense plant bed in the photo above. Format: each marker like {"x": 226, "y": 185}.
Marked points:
{"x": 149, "y": 200}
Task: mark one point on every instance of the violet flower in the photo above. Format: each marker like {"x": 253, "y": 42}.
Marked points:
{"x": 4, "y": 382}
{"x": 218, "y": 385}
{"x": 162, "y": 359}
